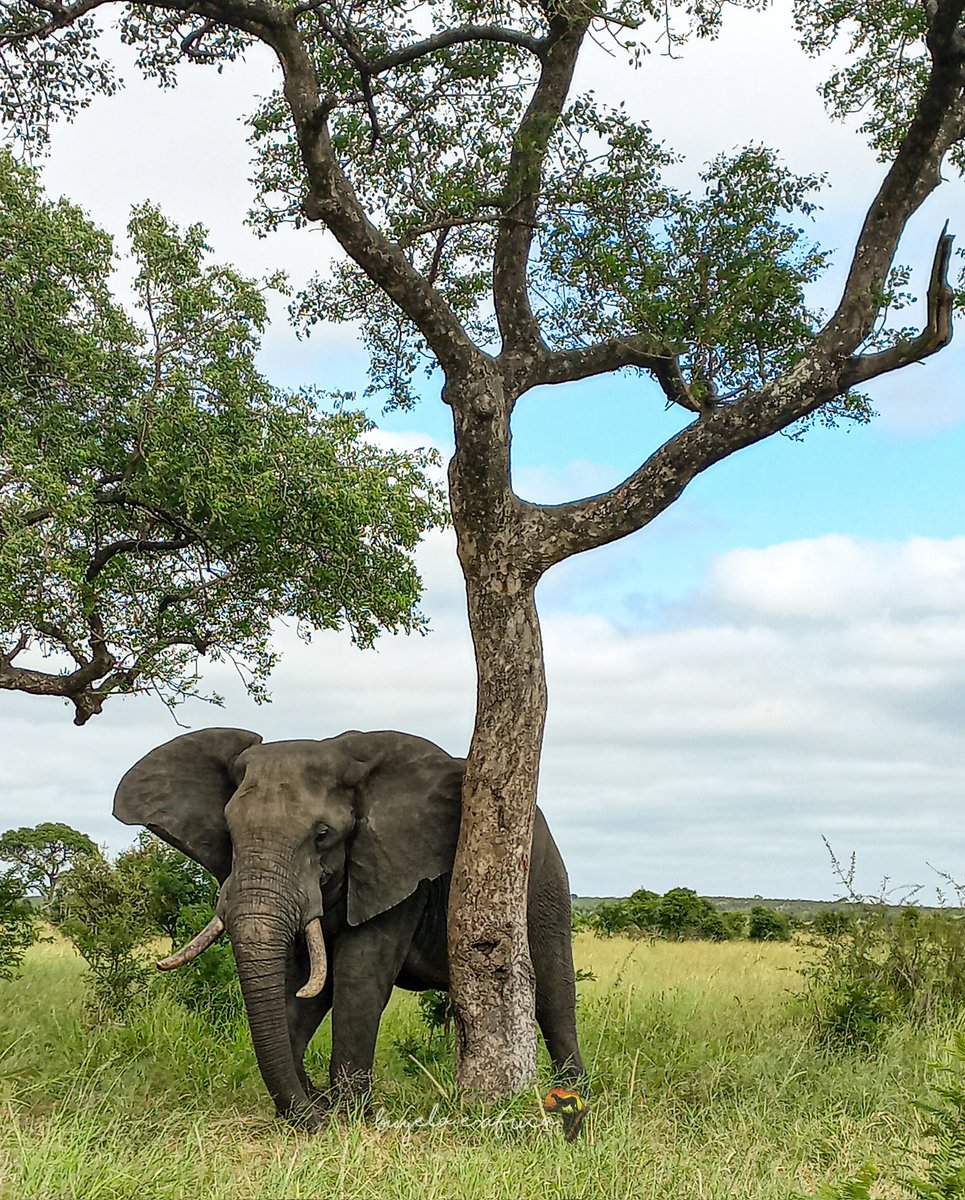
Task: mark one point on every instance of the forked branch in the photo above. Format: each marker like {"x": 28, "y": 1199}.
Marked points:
{"x": 936, "y": 334}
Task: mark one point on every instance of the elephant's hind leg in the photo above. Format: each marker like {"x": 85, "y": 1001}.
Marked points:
{"x": 551, "y": 949}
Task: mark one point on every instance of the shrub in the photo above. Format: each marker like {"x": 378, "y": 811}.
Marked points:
{"x": 103, "y": 911}
{"x": 435, "y": 1008}
{"x": 677, "y": 914}
{"x": 681, "y": 913}
{"x": 880, "y": 967}
{"x": 171, "y": 884}
{"x": 768, "y": 925}
{"x": 832, "y": 923}
{"x": 178, "y": 898}
{"x": 609, "y": 917}
{"x": 641, "y": 908}
{"x": 18, "y": 924}
{"x": 735, "y": 924}
{"x": 581, "y": 919}
{"x": 209, "y": 985}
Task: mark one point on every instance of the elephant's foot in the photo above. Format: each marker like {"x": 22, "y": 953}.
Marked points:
{"x": 570, "y": 1073}
{"x": 352, "y": 1095}
{"x": 315, "y": 1094}
{"x": 310, "y": 1115}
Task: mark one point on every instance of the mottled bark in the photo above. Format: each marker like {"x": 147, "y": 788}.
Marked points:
{"x": 491, "y": 976}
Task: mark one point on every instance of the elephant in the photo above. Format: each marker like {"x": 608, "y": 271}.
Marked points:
{"x": 337, "y": 851}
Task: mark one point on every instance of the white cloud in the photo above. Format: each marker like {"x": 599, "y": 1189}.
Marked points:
{"x": 841, "y": 578}
{"x": 713, "y": 753}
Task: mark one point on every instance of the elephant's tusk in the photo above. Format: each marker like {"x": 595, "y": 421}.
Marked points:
{"x": 317, "y": 958}
{"x": 198, "y": 944}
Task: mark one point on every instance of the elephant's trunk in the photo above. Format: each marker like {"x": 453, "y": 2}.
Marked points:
{"x": 263, "y": 920}
{"x": 261, "y": 951}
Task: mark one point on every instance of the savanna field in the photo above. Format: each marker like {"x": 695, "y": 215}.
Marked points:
{"x": 706, "y": 1081}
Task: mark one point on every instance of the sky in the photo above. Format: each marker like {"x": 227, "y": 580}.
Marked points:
{"x": 776, "y": 663}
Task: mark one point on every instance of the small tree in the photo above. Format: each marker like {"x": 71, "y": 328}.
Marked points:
{"x": 170, "y": 883}
{"x": 681, "y": 913}
{"x": 179, "y": 898}
{"x": 768, "y": 925}
{"x": 104, "y": 912}
{"x": 160, "y": 501}
{"x": 18, "y": 924}
{"x": 42, "y": 854}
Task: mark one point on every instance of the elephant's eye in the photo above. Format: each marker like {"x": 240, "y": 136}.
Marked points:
{"x": 320, "y": 836}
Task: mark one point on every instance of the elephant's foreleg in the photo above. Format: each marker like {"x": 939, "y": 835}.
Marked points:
{"x": 366, "y": 962}
{"x": 304, "y": 1017}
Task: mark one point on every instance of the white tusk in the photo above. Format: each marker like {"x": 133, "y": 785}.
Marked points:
{"x": 198, "y": 944}
{"x": 317, "y": 958}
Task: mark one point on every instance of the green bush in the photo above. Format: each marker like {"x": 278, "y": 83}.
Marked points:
{"x": 880, "y": 968}
{"x": 609, "y": 917}
{"x": 179, "y": 898}
{"x": 832, "y": 923}
{"x": 171, "y": 883}
{"x": 735, "y": 923}
{"x": 18, "y": 924}
{"x": 676, "y": 915}
{"x": 102, "y": 909}
{"x": 681, "y": 913}
{"x": 209, "y": 985}
{"x": 768, "y": 925}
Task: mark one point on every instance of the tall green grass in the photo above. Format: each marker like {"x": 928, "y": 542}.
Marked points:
{"x": 705, "y": 1082}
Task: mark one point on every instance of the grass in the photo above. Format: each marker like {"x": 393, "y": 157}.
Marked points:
{"x": 705, "y": 1083}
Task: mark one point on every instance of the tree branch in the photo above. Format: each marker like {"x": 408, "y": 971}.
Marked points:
{"x": 140, "y": 545}
{"x": 938, "y": 122}
{"x": 58, "y": 635}
{"x": 61, "y": 15}
{"x": 75, "y": 686}
{"x": 331, "y": 199}
{"x": 456, "y": 37}
{"x": 829, "y": 366}
{"x": 568, "y": 366}
{"x": 518, "y": 327}
{"x": 936, "y": 334}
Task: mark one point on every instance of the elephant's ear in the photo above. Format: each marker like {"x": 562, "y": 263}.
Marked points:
{"x": 179, "y": 792}
{"x": 407, "y": 821}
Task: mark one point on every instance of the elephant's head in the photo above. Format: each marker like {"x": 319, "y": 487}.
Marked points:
{"x": 288, "y": 828}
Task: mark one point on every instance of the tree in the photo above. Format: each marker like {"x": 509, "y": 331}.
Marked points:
{"x": 768, "y": 925}
{"x": 170, "y": 883}
{"x": 41, "y": 855}
{"x": 518, "y": 236}
{"x": 18, "y": 924}
{"x": 103, "y": 910}
{"x": 159, "y": 500}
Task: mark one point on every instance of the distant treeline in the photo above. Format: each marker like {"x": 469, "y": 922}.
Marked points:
{"x": 806, "y": 910}
{"x": 680, "y": 914}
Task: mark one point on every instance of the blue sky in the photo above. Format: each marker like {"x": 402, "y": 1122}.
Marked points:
{"x": 778, "y": 657}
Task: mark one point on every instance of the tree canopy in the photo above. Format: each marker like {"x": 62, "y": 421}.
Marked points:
{"x": 40, "y": 855}
{"x": 160, "y": 501}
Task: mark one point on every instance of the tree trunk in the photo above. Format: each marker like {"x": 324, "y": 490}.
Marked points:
{"x": 490, "y": 972}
